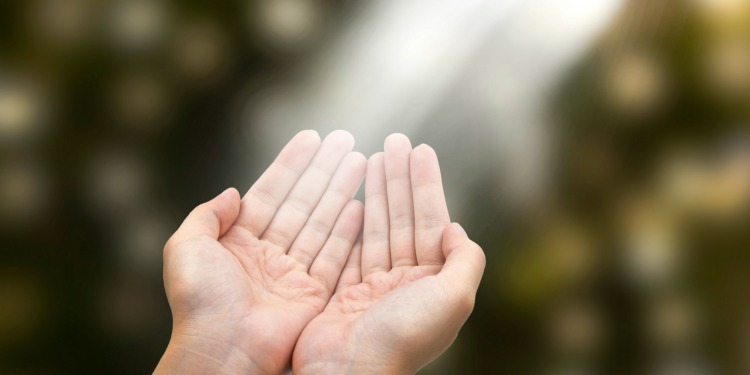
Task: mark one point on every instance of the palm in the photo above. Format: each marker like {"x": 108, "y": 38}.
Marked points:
{"x": 385, "y": 303}
{"x": 260, "y": 293}
{"x": 365, "y": 314}
{"x": 275, "y": 266}
{"x": 270, "y": 276}
{"x": 380, "y": 289}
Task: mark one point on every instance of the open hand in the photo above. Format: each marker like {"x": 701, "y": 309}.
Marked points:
{"x": 410, "y": 286}
{"x": 244, "y": 277}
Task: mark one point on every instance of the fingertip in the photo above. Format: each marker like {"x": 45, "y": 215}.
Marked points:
{"x": 360, "y": 157}
{"x": 424, "y": 165}
{"x": 308, "y": 135}
{"x": 424, "y": 156}
{"x": 357, "y": 159}
{"x": 375, "y": 173}
{"x": 229, "y": 197}
{"x": 355, "y": 211}
{"x": 464, "y": 258}
{"x": 454, "y": 236}
{"x": 356, "y": 207}
{"x": 342, "y": 137}
{"x": 305, "y": 143}
{"x": 227, "y": 208}
{"x": 230, "y": 193}
{"x": 341, "y": 133}
{"x": 376, "y": 165}
{"x": 212, "y": 218}
{"x": 458, "y": 230}
{"x": 424, "y": 150}
{"x": 350, "y": 220}
{"x": 376, "y": 159}
{"x": 397, "y": 141}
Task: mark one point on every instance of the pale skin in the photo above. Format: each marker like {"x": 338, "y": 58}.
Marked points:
{"x": 282, "y": 278}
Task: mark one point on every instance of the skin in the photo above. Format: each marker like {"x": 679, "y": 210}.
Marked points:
{"x": 289, "y": 275}
{"x": 409, "y": 288}
{"x": 245, "y": 276}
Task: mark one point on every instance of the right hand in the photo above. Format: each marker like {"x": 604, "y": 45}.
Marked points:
{"x": 244, "y": 277}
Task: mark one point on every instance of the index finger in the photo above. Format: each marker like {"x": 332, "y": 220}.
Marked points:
{"x": 263, "y": 199}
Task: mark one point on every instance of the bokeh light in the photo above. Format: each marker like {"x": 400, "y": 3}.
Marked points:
{"x": 126, "y": 308}
{"x": 577, "y": 329}
{"x": 135, "y": 25}
{"x": 636, "y": 82}
{"x": 599, "y": 152}
{"x": 288, "y": 25}
{"x": 672, "y": 321}
{"x": 201, "y": 52}
{"x": 63, "y": 23}
{"x": 728, "y": 67}
{"x": 117, "y": 183}
{"x": 137, "y": 239}
{"x": 22, "y": 110}
{"x": 141, "y": 101}
{"x": 26, "y": 193}
{"x": 652, "y": 248}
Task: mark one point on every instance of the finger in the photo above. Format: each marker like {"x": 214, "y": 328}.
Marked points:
{"x": 352, "y": 273}
{"x": 430, "y": 211}
{"x": 263, "y": 199}
{"x": 304, "y": 196}
{"x": 329, "y": 263}
{"x": 211, "y": 219}
{"x": 375, "y": 242}
{"x": 464, "y": 261}
{"x": 341, "y": 190}
{"x": 400, "y": 205}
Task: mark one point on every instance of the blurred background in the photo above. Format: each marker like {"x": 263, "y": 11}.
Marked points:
{"x": 599, "y": 151}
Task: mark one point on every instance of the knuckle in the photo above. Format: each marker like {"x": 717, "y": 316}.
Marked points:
{"x": 263, "y": 195}
{"x": 319, "y": 226}
{"x": 300, "y": 205}
{"x": 401, "y": 221}
{"x": 431, "y": 220}
{"x": 336, "y": 261}
{"x": 344, "y": 242}
{"x": 338, "y": 194}
{"x": 373, "y": 234}
{"x": 304, "y": 256}
{"x": 279, "y": 238}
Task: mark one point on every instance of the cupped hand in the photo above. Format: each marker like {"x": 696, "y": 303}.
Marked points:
{"x": 245, "y": 276}
{"x": 410, "y": 286}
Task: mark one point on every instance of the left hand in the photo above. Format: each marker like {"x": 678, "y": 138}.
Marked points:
{"x": 407, "y": 291}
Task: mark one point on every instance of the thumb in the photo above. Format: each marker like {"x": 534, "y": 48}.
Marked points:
{"x": 212, "y": 218}
{"x": 464, "y": 259}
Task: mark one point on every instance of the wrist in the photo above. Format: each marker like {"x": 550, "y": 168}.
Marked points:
{"x": 349, "y": 368}
{"x": 189, "y": 353}
{"x": 351, "y": 357}
{"x": 369, "y": 365}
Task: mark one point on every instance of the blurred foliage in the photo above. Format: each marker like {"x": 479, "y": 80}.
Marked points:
{"x": 637, "y": 262}
{"x": 115, "y": 120}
